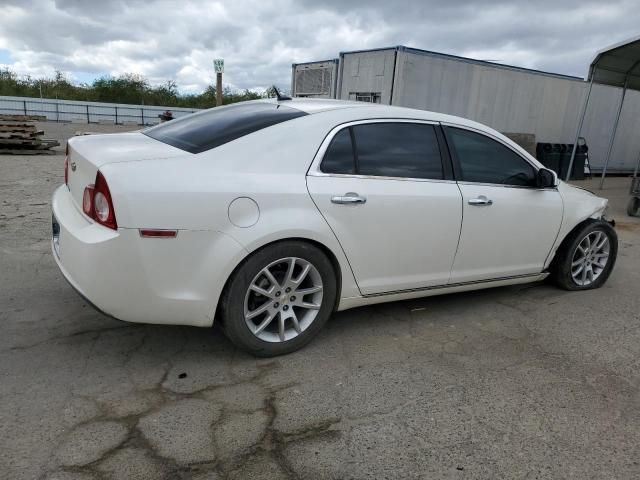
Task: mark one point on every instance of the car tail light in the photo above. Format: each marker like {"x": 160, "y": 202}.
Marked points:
{"x": 87, "y": 200}
{"x": 103, "y": 211}
{"x": 97, "y": 203}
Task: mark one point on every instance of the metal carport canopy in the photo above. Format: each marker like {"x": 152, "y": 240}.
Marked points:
{"x": 616, "y": 66}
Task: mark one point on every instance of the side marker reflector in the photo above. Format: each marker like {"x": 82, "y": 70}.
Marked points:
{"x": 157, "y": 233}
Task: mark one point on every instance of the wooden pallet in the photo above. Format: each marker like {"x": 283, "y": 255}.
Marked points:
{"x": 8, "y": 126}
{"x": 19, "y": 135}
{"x": 23, "y": 151}
{"x": 37, "y": 144}
{"x": 22, "y": 118}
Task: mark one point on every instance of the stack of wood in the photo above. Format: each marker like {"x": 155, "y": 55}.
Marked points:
{"x": 20, "y": 136}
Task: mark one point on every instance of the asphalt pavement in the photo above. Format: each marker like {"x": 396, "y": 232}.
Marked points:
{"x": 525, "y": 382}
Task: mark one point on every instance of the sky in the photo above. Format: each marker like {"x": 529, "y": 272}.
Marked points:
{"x": 260, "y": 39}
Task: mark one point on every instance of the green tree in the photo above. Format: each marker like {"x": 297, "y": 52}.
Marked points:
{"x": 128, "y": 88}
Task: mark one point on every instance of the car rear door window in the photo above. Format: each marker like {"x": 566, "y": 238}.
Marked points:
{"x": 394, "y": 149}
{"x": 214, "y": 127}
{"x": 407, "y": 150}
{"x": 484, "y": 160}
{"x": 339, "y": 156}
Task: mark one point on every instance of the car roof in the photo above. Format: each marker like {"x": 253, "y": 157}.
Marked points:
{"x": 314, "y": 105}
{"x": 374, "y": 110}
{"x": 319, "y": 105}
{"x": 364, "y": 110}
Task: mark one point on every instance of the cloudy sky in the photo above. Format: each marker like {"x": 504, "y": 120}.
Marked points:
{"x": 259, "y": 39}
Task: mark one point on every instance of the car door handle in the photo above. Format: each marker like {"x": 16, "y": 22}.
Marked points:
{"x": 480, "y": 201}
{"x": 350, "y": 198}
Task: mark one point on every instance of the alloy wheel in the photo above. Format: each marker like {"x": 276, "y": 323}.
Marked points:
{"x": 590, "y": 258}
{"x": 283, "y": 299}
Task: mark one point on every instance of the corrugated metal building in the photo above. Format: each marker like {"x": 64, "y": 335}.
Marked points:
{"x": 510, "y": 99}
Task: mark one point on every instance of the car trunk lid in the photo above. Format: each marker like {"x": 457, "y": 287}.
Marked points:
{"x": 87, "y": 153}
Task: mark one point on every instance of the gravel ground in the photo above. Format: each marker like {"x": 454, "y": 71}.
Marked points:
{"x": 519, "y": 382}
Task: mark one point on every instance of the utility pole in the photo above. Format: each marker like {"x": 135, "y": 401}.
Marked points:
{"x": 218, "y": 65}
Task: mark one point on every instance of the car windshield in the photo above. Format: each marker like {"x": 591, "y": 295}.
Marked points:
{"x": 214, "y": 127}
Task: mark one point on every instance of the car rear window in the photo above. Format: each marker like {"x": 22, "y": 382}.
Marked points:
{"x": 211, "y": 128}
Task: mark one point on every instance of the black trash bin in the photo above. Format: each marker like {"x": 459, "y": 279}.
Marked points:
{"x": 577, "y": 171}
{"x": 541, "y": 152}
{"x": 549, "y": 154}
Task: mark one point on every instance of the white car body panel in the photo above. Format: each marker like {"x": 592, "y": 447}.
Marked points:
{"x": 353, "y": 302}
{"x": 390, "y": 239}
{"x": 179, "y": 280}
{"x": 511, "y": 237}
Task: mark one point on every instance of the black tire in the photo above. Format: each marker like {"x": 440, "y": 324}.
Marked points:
{"x": 233, "y": 298}
{"x": 561, "y": 265}
{"x": 633, "y": 207}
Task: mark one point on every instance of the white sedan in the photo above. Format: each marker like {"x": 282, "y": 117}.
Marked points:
{"x": 268, "y": 216}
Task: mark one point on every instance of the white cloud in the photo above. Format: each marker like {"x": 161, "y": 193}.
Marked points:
{"x": 259, "y": 40}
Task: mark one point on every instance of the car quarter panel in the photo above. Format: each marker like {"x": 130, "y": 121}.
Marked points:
{"x": 143, "y": 280}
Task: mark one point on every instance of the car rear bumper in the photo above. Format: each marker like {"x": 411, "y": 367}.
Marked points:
{"x": 144, "y": 280}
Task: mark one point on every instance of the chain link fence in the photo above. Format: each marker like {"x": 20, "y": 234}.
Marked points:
{"x": 88, "y": 112}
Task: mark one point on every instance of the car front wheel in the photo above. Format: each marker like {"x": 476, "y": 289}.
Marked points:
{"x": 587, "y": 256}
{"x": 279, "y": 298}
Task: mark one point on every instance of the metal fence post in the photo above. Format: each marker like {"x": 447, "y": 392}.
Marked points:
{"x": 580, "y": 123}
{"x": 24, "y": 105}
{"x": 57, "y": 111}
{"x": 142, "y": 114}
{"x": 116, "y": 107}
{"x": 613, "y": 134}
{"x": 88, "y": 120}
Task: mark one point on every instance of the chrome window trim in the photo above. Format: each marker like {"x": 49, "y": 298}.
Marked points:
{"x": 502, "y": 185}
{"x": 314, "y": 169}
{"x": 377, "y": 177}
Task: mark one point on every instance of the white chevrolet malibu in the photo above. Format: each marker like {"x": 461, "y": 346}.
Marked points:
{"x": 268, "y": 216}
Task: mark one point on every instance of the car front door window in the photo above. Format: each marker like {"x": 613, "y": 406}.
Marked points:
{"x": 484, "y": 160}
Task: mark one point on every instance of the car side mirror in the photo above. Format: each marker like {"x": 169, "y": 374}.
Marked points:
{"x": 546, "y": 178}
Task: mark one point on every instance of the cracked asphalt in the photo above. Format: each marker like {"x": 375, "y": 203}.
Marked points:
{"x": 526, "y": 382}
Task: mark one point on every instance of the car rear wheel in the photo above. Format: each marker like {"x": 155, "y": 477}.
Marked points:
{"x": 587, "y": 256}
{"x": 279, "y": 298}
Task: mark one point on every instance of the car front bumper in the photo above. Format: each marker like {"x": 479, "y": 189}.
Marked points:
{"x": 144, "y": 280}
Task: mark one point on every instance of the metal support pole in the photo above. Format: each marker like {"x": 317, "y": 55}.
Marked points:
{"x": 24, "y": 104}
{"x": 635, "y": 175}
{"x": 613, "y": 134}
{"x": 142, "y": 113}
{"x": 218, "y": 89}
{"x": 116, "y": 107}
{"x": 580, "y": 123}
{"x": 88, "y": 118}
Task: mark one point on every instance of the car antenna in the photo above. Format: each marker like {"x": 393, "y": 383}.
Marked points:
{"x": 279, "y": 96}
